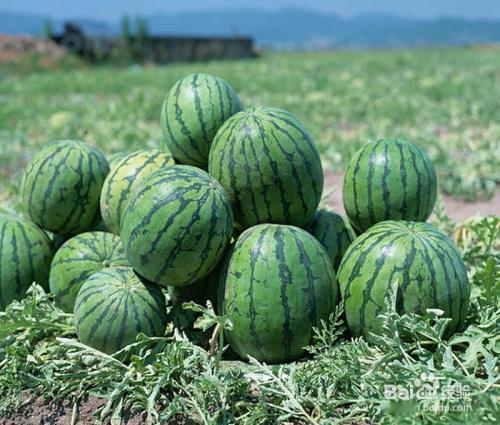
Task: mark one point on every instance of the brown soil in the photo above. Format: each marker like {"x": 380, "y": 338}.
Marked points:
{"x": 457, "y": 209}
{"x": 38, "y": 411}
{"x": 13, "y": 48}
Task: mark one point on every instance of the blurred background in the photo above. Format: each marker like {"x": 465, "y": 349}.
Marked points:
{"x": 351, "y": 70}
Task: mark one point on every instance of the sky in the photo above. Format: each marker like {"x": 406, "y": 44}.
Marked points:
{"x": 112, "y": 10}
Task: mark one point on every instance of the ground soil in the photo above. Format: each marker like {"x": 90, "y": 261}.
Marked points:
{"x": 13, "y": 48}
{"x": 38, "y": 411}
{"x": 457, "y": 209}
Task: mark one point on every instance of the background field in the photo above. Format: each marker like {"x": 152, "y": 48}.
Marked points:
{"x": 446, "y": 100}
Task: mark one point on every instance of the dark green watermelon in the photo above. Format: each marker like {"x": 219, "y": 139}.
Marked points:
{"x": 125, "y": 176}
{"x": 25, "y": 255}
{"x": 78, "y": 259}
{"x": 279, "y": 283}
{"x": 114, "y": 306}
{"x": 192, "y": 113}
{"x": 177, "y": 225}
{"x": 389, "y": 179}
{"x": 417, "y": 260}
{"x": 61, "y": 187}
{"x": 269, "y": 165}
{"x": 334, "y": 232}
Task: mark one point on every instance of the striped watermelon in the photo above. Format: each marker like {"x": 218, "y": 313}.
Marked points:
{"x": 114, "y": 306}
{"x": 389, "y": 179}
{"x": 126, "y": 175}
{"x": 61, "y": 187}
{"x": 279, "y": 284}
{"x": 417, "y": 259}
{"x": 269, "y": 165}
{"x": 192, "y": 113}
{"x": 78, "y": 259}
{"x": 25, "y": 256}
{"x": 176, "y": 225}
{"x": 334, "y": 232}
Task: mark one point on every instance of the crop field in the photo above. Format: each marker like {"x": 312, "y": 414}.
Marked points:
{"x": 447, "y": 101}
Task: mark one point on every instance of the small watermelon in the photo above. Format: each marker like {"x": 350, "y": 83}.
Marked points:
{"x": 390, "y": 179}
{"x": 114, "y": 305}
{"x": 126, "y": 175}
{"x": 269, "y": 165}
{"x": 279, "y": 284}
{"x": 61, "y": 187}
{"x": 78, "y": 259}
{"x": 177, "y": 225}
{"x": 334, "y": 232}
{"x": 25, "y": 255}
{"x": 192, "y": 113}
{"x": 414, "y": 258}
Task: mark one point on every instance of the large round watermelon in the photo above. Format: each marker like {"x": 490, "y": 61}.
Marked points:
{"x": 270, "y": 166}
{"x": 192, "y": 113}
{"x": 414, "y": 262}
{"x": 114, "y": 306}
{"x": 333, "y": 231}
{"x": 25, "y": 256}
{"x": 78, "y": 259}
{"x": 176, "y": 225}
{"x": 125, "y": 176}
{"x": 62, "y": 185}
{"x": 279, "y": 284}
{"x": 390, "y": 179}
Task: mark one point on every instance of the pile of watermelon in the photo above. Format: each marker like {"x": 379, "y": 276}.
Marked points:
{"x": 227, "y": 210}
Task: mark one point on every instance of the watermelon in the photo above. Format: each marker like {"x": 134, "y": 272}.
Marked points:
{"x": 78, "y": 259}
{"x": 270, "y": 166}
{"x": 114, "y": 305}
{"x": 413, "y": 261}
{"x": 390, "y": 179}
{"x": 176, "y": 225}
{"x": 334, "y": 232}
{"x": 192, "y": 113}
{"x": 61, "y": 187}
{"x": 279, "y": 283}
{"x": 25, "y": 256}
{"x": 126, "y": 174}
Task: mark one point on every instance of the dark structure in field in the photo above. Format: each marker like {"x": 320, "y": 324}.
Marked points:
{"x": 159, "y": 49}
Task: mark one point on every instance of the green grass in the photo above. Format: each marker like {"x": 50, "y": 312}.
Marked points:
{"x": 446, "y": 100}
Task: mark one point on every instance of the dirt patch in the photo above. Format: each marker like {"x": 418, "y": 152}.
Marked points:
{"x": 39, "y": 411}
{"x": 13, "y": 48}
{"x": 457, "y": 209}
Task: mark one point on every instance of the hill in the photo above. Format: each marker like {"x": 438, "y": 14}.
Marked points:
{"x": 291, "y": 28}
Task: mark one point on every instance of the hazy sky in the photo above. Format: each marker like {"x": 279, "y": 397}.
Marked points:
{"x": 113, "y": 9}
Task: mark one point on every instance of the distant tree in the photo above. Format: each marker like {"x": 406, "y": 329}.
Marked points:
{"x": 125, "y": 24}
{"x": 48, "y": 29}
{"x": 141, "y": 30}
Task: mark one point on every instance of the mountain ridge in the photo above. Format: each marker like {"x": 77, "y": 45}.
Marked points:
{"x": 288, "y": 28}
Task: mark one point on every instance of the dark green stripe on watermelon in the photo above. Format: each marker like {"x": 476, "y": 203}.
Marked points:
{"x": 278, "y": 284}
{"x": 269, "y": 165}
{"x": 61, "y": 187}
{"x": 192, "y": 113}
{"x": 78, "y": 259}
{"x": 177, "y": 225}
{"x": 126, "y": 175}
{"x": 25, "y": 256}
{"x": 334, "y": 232}
{"x": 389, "y": 179}
{"x": 114, "y": 306}
{"x": 418, "y": 259}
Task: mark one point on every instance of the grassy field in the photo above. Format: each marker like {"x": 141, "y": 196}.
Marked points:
{"x": 448, "y": 101}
